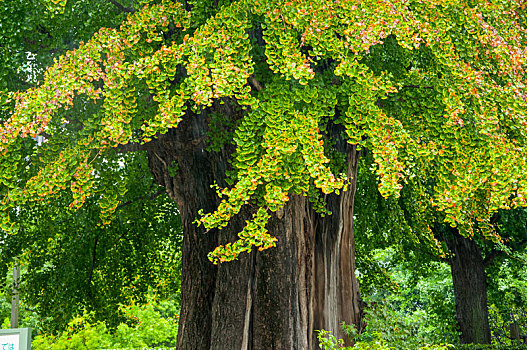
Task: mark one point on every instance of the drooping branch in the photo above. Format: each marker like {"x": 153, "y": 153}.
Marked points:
{"x": 92, "y": 268}
{"x": 255, "y": 83}
{"x": 151, "y": 197}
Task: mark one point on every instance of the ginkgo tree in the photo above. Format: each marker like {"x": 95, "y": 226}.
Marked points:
{"x": 252, "y": 113}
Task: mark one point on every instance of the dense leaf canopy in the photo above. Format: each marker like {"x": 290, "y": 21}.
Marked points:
{"x": 70, "y": 262}
{"x": 434, "y": 89}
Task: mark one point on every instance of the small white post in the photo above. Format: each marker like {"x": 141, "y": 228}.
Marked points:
{"x": 16, "y": 298}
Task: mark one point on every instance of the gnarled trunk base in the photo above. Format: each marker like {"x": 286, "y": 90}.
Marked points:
{"x": 275, "y": 299}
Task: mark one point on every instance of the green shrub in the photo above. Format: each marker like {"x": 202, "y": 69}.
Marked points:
{"x": 328, "y": 341}
{"x": 80, "y": 334}
{"x": 146, "y": 329}
{"x": 386, "y": 330}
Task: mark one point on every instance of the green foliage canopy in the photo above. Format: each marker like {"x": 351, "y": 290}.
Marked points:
{"x": 435, "y": 89}
{"x": 73, "y": 262}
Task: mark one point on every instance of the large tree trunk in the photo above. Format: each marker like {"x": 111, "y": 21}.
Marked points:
{"x": 470, "y": 289}
{"x": 274, "y": 299}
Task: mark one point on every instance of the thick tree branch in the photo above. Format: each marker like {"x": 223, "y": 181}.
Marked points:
{"x": 255, "y": 83}
{"x": 151, "y": 197}
{"x": 494, "y": 253}
{"x": 130, "y": 147}
{"x": 92, "y": 268}
{"x": 121, "y": 7}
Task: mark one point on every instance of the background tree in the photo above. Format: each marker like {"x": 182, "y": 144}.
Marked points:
{"x": 401, "y": 264}
{"x": 71, "y": 261}
{"x": 402, "y": 226}
{"x": 506, "y": 294}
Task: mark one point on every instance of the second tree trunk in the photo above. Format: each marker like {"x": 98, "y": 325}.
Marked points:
{"x": 470, "y": 289}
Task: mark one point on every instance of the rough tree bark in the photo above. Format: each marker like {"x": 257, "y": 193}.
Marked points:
{"x": 274, "y": 299}
{"x": 470, "y": 288}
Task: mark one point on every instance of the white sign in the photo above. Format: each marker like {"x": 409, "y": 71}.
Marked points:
{"x": 9, "y": 342}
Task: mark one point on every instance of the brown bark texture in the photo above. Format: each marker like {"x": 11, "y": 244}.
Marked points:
{"x": 470, "y": 288}
{"x": 274, "y": 299}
